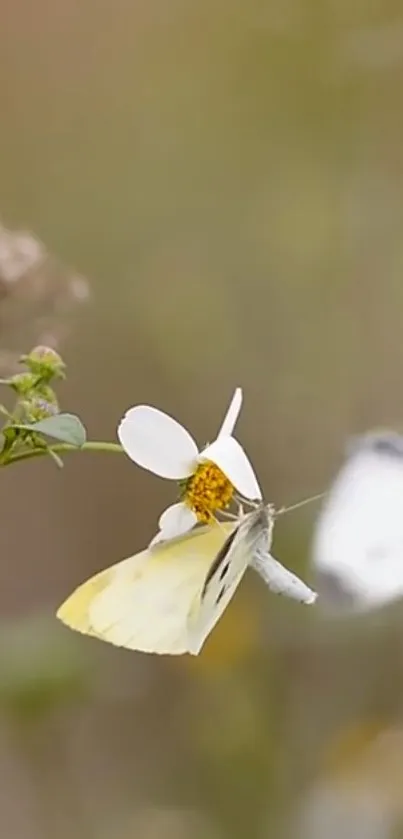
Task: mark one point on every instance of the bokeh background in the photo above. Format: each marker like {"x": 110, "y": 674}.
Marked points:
{"x": 222, "y": 184}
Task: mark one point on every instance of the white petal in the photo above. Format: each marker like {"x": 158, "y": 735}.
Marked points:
{"x": 174, "y": 521}
{"x": 232, "y": 414}
{"x": 230, "y": 457}
{"x": 157, "y": 442}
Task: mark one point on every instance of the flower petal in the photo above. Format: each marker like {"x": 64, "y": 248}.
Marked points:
{"x": 157, "y": 442}
{"x": 230, "y": 457}
{"x": 174, "y": 521}
{"x": 232, "y": 414}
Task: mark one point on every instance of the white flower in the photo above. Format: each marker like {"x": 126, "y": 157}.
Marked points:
{"x": 209, "y": 478}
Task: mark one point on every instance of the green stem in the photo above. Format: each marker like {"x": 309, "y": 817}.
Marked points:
{"x": 65, "y": 448}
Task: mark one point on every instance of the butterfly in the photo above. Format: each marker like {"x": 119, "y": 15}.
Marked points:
{"x": 357, "y": 550}
{"x": 168, "y": 598}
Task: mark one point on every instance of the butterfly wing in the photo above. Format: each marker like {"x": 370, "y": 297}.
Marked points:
{"x": 357, "y": 550}
{"x": 143, "y": 602}
{"x": 226, "y": 573}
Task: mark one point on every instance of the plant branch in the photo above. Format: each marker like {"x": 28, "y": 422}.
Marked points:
{"x": 65, "y": 448}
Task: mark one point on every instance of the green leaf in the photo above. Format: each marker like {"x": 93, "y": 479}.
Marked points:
{"x": 65, "y": 427}
{"x": 9, "y": 435}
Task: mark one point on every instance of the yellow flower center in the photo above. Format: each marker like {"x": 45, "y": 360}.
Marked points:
{"x": 207, "y": 490}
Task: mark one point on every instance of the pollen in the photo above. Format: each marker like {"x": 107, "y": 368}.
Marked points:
{"x": 207, "y": 490}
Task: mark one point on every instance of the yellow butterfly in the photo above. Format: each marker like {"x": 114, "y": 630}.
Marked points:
{"x": 168, "y": 598}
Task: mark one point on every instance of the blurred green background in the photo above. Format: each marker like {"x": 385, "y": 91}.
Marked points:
{"x": 229, "y": 179}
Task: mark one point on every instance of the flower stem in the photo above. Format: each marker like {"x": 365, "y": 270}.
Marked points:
{"x": 65, "y": 448}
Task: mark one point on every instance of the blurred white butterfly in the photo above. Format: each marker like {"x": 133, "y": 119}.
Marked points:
{"x": 168, "y": 598}
{"x": 357, "y": 550}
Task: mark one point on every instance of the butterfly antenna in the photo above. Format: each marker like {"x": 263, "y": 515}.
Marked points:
{"x": 299, "y": 504}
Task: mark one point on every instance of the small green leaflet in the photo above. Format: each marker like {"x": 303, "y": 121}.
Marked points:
{"x": 8, "y": 437}
{"x": 64, "y": 427}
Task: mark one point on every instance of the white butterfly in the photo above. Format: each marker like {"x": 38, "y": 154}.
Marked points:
{"x": 168, "y": 598}
{"x": 358, "y": 541}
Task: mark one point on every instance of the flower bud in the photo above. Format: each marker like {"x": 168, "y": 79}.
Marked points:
{"x": 43, "y": 391}
{"x": 36, "y": 409}
{"x": 45, "y": 362}
{"x": 23, "y": 383}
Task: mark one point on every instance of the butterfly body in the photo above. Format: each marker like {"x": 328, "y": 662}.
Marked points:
{"x": 226, "y": 572}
